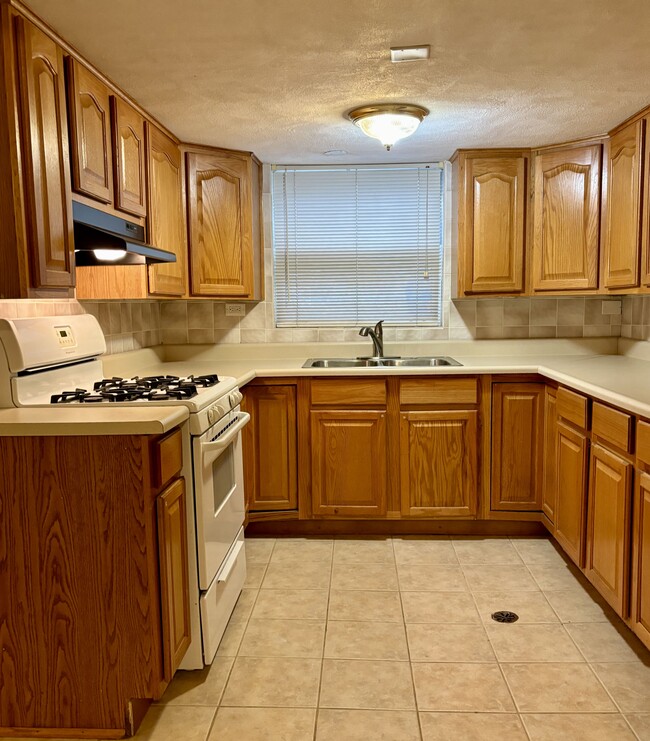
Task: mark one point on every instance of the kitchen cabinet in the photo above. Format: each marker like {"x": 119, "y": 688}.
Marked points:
{"x": 129, "y": 158}
{"x": 490, "y": 188}
{"x": 550, "y": 481}
{"x": 166, "y": 213}
{"x": 225, "y": 241}
{"x": 517, "y": 446}
{"x": 438, "y": 463}
{"x": 270, "y": 447}
{"x": 622, "y": 246}
{"x": 640, "y": 603}
{"x": 566, "y": 219}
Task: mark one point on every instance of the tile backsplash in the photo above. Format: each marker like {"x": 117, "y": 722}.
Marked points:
{"x": 636, "y": 317}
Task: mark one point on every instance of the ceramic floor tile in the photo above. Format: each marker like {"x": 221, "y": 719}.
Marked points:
{"x": 461, "y": 687}
{"x": 578, "y": 605}
{"x": 640, "y": 723}
{"x": 258, "y": 550}
{"x": 577, "y": 727}
{"x": 424, "y": 551}
{"x": 499, "y": 577}
{"x": 556, "y": 688}
{"x": 471, "y": 727}
{"x": 372, "y": 685}
{"x": 273, "y": 683}
{"x": 538, "y": 550}
{"x": 552, "y": 577}
{"x": 302, "y": 604}
{"x": 364, "y": 576}
{"x": 485, "y": 551}
{"x": 254, "y": 575}
{"x": 627, "y": 683}
{"x": 172, "y": 722}
{"x": 365, "y": 640}
{"x": 290, "y": 638}
{"x": 527, "y": 643}
{"x": 455, "y": 643}
{"x": 231, "y": 638}
{"x": 364, "y": 551}
{"x": 298, "y": 575}
{"x": 203, "y": 687}
{"x": 431, "y": 578}
{"x": 367, "y": 725}
{"x": 532, "y": 607}
{"x": 363, "y": 605}
{"x": 263, "y": 724}
{"x": 244, "y": 606}
{"x": 293, "y": 550}
{"x": 439, "y": 607}
{"x": 608, "y": 642}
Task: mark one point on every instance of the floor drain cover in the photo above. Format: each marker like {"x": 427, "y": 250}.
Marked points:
{"x": 505, "y": 616}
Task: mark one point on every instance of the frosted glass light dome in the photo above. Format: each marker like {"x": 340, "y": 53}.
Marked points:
{"x": 389, "y": 123}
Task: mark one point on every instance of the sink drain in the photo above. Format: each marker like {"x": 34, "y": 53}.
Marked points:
{"x": 505, "y": 616}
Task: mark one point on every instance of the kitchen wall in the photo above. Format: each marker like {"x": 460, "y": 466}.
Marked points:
{"x": 636, "y": 317}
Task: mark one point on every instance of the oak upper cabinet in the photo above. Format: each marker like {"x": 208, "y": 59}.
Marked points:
{"x": 438, "y": 463}
{"x": 550, "y": 481}
{"x": 224, "y": 190}
{"x": 517, "y": 446}
{"x": 46, "y": 165}
{"x": 622, "y": 244}
{"x": 270, "y": 447}
{"x": 640, "y": 603}
{"x": 90, "y": 133}
{"x": 166, "y": 213}
{"x": 566, "y": 219}
{"x": 491, "y": 213}
{"x": 129, "y": 158}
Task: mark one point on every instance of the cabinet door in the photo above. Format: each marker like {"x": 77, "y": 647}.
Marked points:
{"x": 128, "y": 158}
{"x": 348, "y": 463}
{"x": 640, "y": 615}
{"x": 270, "y": 448}
{"x": 517, "y": 429}
{"x": 493, "y": 218}
{"x": 90, "y": 136}
{"x": 623, "y": 237}
{"x": 566, "y": 219}
{"x": 174, "y": 580}
{"x": 221, "y": 225}
{"x": 166, "y": 214}
{"x": 45, "y": 151}
{"x": 571, "y": 501}
{"x": 609, "y": 511}
{"x": 438, "y": 460}
{"x": 550, "y": 482}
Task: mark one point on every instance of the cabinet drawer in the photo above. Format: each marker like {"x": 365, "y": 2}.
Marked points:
{"x": 613, "y": 426}
{"x": 167, "y": 455}
{"x": 572, "y": 407}
{"x": 643, "y": 442}
{"x": 438, "y": 391}
{"x": 348, "y": 392}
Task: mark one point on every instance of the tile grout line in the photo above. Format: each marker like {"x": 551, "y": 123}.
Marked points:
{"x": 322, "y": 658}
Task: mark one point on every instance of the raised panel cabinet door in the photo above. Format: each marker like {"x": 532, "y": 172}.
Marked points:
{"x": 166, "y": 213}
{"x": 571, "y": 504}
{"x": 550, "y": 480}
{"x": 566, "y": 219}
{"x": 221, "y": 225}
{"x": 494, "y": 218}
{"x": 174, "y": 578}
{"x": 640, "y": 614}
{"x": 129, "y": 162}
{"x": 438, "y": 463}
{"x": 517, "y": 451}
{"x": 349, "y": 451}
{"x": 270, "y": 448}
{"x": 609, "y": 511}
{"x": 46, "y": 159}
{"x": 624, "y": 190}
{"x": 90, "y": 135}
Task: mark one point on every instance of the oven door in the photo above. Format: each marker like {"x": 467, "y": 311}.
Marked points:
{"x": 218, "y": 492}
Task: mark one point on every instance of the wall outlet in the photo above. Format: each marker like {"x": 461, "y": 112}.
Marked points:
{"x": 611, "y": 308}
{"x": 235, "y": 309}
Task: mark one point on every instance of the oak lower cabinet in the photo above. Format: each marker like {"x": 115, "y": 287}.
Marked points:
{"x": 640, "y": 602}
{"x": 270, "y": 447}
{"x": 517, "y": 446}
{"x": 549, "y": 480}
{"x": 348, "y": 463}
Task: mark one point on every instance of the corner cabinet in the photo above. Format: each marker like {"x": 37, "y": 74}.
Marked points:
{"x": 225, "y": 239}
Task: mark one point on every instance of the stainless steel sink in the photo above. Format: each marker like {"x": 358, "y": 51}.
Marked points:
{"x": 421, "y": 362}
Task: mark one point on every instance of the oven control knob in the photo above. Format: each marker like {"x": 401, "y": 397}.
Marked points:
{"x": 235, "y": 398}
{"x": 215, "y": 413}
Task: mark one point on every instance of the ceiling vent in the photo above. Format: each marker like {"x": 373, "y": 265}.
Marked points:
{"x": 410, "y": 53}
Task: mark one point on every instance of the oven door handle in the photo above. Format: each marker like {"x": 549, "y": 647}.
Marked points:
{"x": 211, "y": 451}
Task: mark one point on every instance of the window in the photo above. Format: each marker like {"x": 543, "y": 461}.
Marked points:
{"x": 352, "y": 245}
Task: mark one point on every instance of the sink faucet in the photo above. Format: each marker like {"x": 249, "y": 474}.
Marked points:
{"x": 377, "y": 337}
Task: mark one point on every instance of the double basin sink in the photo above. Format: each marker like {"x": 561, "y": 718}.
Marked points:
{"x": 388, "y": 362}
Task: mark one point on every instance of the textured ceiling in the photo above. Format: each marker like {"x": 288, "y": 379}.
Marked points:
{"x": 277, "y": 76}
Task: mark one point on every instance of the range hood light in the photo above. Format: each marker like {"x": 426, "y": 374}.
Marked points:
{"x": 109, "y": 255}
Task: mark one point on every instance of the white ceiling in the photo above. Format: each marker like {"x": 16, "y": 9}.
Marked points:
{"x": 277, "y": 76}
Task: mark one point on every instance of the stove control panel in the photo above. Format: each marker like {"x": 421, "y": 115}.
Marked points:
{"x": 65, "y": 336}
{"x": 216, "y": 412}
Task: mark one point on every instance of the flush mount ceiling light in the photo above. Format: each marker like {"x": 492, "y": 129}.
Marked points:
{"x": 388, "y": 122}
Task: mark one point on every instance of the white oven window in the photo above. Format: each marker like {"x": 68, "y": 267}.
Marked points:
{"x": 223, "y": 477}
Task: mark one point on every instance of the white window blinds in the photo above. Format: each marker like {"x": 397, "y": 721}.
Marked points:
{"x": 352, "y": 245}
